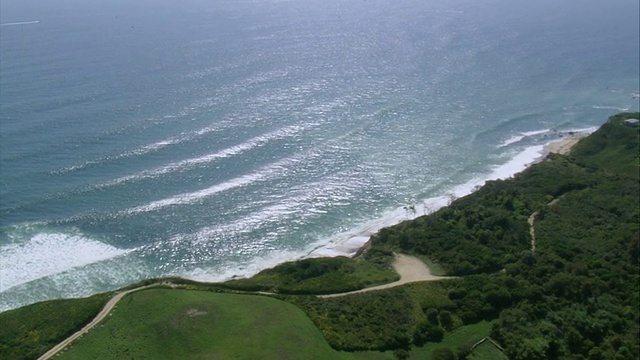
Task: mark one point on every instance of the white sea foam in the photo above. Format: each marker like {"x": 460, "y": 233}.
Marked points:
{"x": 152, "y": 147}
{"x": 168, "y": 142}
{"x": 105, "y": 275}
{"x": 267, "y": 172}
{"x": 46, "y": 254}
{"x": 587, "y": 130}
{"x": 304, "y": 202}
{"x": 231, "y": 270}
{"x": 208, "y": 158}
{"x": 191, "y": 197}
{"x": 256, "y": 220}
{"x": 21, "y": 23}
{"x": 295, "y": 207}
{"x": 522, "y": 136}
{"x": 143, "y": 150}
{"x": 512, "y": 140}
{"x": 605, "y": 107}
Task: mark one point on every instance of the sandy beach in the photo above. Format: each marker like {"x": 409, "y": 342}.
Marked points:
{"x": 564, "y": 145}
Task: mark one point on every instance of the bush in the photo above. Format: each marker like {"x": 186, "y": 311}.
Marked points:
{"x": 426, "y": 332}
{"x": 443, "y": 353}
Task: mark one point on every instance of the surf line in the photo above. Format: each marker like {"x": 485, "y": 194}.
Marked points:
{"x": 20, "y": 23}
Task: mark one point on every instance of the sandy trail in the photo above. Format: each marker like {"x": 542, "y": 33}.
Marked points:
{"x": 532, "y": 231}
{"x": 410, "y": 269}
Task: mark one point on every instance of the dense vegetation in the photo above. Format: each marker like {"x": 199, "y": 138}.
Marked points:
{"x": 577, "y": 295}
{"x": 381, "y": 320}
{"x": 587, "y": 263}
{"x": 30, "y": 331}
{"x": 320, "y": 276}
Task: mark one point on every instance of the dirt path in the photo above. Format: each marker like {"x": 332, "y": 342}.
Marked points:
{"x": 101, "y": 315}
{"x": 532, "y": 220}
{"x": 410, "y": 268}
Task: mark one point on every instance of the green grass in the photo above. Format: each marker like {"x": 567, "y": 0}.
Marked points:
{"x": 433, "y": 294}
{"x": 461, "y": 338}
{"x": 169, "y": 324}
{"x": 30, "y": 331}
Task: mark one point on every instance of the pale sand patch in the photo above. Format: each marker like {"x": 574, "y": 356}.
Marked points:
{"x": 195, "y": 312}
{"x": 410, "y": 268}
{"x": 563, "y": 146}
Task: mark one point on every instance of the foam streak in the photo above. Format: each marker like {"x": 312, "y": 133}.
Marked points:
{"x": 192, "y": 162}
{"x": 143, "y": 150}
{"x": 20, "y": 23}
{"x": 265, "y": 173}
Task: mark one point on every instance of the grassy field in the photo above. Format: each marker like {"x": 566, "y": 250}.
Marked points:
{"x": 168, "y": 324}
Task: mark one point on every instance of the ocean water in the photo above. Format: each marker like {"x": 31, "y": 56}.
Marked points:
{"x": 208, "y": 139}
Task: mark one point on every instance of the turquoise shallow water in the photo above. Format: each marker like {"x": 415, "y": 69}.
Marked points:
{"x": 215, "y": 138}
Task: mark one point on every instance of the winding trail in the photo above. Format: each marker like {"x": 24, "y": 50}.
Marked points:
{"x": 410, "y": 268}
{"x": 532, "y": 220}
{"x": 101, "y": 315}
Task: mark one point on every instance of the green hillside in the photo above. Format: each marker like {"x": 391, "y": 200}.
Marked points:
{"x": 179, "y": 324}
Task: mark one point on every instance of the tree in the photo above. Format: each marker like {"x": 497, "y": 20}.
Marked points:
{"x": 445, "y": 319}
{"x": 432, "y": 316}
{"x": 426, "y": 331}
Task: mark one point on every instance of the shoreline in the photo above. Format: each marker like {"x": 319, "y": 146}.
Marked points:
{"x": 354, "y": 242}
{"x": 359, "y": 239}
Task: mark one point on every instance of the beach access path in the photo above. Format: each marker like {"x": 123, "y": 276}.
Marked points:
{"x": 410, "y": 268}
{"x": 562, "y": 147}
